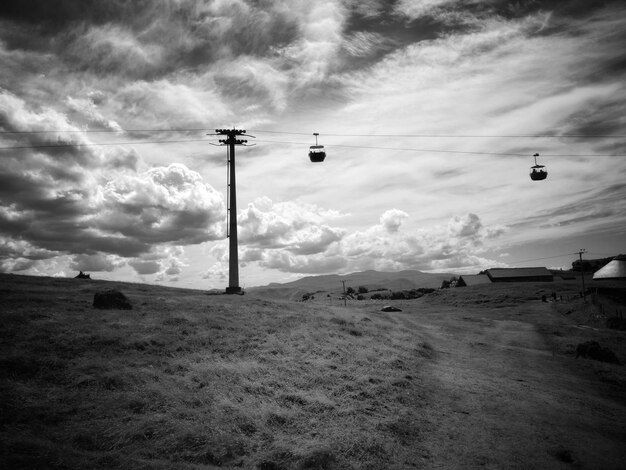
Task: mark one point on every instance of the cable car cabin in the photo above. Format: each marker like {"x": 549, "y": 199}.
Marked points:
{"x": 538, "y": 172}
{"x": 317, "y": 153}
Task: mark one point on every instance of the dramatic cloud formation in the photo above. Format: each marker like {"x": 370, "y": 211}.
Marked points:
{"x": 63, "y": 196}
{"x": 161, "y": 205}
{"x": 430, "y": 112}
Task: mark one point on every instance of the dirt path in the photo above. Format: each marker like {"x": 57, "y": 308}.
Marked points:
{"x": 504, "y": 398}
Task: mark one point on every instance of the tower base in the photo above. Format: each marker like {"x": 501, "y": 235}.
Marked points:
{"x": 234, "y": 290}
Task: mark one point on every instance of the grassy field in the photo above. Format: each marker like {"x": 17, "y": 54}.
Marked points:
{"x": 188, "y": 380}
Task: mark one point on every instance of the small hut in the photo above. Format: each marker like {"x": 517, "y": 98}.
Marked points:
{"x": 616, "y": 269}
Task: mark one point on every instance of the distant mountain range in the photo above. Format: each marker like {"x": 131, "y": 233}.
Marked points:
{"x": 396, "y": 281}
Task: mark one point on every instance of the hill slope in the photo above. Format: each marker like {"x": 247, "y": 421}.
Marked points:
{"x": 401, "y": 280}
{"x": 461, "y": 378}
{"x": 187, "y": 380}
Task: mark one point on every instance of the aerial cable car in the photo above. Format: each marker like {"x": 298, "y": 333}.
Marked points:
{"x": 538, "y": 172}
{"x": 316, "y": 152}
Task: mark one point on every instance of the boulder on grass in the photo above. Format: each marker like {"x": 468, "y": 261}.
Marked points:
{"x": 390, "y": 308}
{"x": 593, "y": 350}
{"x": 111, "y": 299}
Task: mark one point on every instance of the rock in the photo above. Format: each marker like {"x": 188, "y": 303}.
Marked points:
{"x": 390, "y": 308}
{"x": 111, "y": 299}
{"x": 82, "y": 275}
{"x": 593, "y": 350}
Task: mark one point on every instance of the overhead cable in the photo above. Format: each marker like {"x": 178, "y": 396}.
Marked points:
{"x": 447, "y": 136}
{"x": 539, "y": 259}
{"x": 101, "y": 144}
{"x": 402, "y": 149}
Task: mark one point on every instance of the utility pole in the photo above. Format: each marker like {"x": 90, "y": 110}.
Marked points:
{"x": 582, "y": 271}
{"x": 233, "y": 255}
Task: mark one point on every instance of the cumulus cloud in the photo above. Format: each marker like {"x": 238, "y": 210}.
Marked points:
{"x": 166, "y": 263}
{"x": 385, "y": 246}
{"x": 164, "y": 204}
{"x": 458, "y": 244}
{"x": 218, "y": 272}
{"x": 311, "y": 264}
{"x": 299, "y": 228}
{"x": 286, "y": 236}
{"x": 95, "y": 262}
{"x": 465, "y": 227}
{"x": 43, "y": 129}
{"x": 91, "y": 203}
{"x": 393, "y": 219}
{"x": 146, "y": 267}
{"x": 19, "y": 255}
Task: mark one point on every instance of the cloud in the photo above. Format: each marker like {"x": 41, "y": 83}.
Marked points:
{"x": 95, "y": 262}
{"x": 181, "y": 102}
{"x": 341, "y": 67}
{"x": 386, "y": 246}
{"x": 256, "y": 79}
{"x": 468, "y": 226}
{"x": 316, "y": 50}
{"x": 458, "y": 244}
{"x": 115, "y": 49}
{"x": 217, "y": 273}
{"x": 393, "y": 219}
{"x": 598, "y": 209}
{"x": 91, "y": 203}
{"x": 87, "y": 109}
{"x": 166, "y": 263}
{"x": 299, "y": 228}
{"x": 162, "y": 205}
{"x": 18, "y": 255}
{"x": 146, "y": 267}
{"x": 413, "y": 10}
{"x": 310, "y": 264}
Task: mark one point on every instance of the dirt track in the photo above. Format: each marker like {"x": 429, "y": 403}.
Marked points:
{"x": 506, "y": 396}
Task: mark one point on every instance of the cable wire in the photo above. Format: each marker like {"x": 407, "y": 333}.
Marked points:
{"x": 539, "y": 259}
{"x": 403, "y": 149}
{"x": 441, "y": 151}
{"x": 447, "y": 136}
{"x": 74, "y": 131}
{"x": 101, "y": 144}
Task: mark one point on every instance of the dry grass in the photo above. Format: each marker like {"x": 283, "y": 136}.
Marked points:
{"x": 186, "y": 380}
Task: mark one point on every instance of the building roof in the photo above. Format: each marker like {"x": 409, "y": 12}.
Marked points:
{"x": 503, "y": 273}
{"x": 475, "y": 279}
{"x": 616, "y": 269}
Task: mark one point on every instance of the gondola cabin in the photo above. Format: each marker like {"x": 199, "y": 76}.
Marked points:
{"x": 317, "y": 153}
{"x": 538, "y": 172}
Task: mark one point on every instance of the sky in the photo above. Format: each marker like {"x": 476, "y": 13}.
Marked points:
{"x": 430, "y": 113}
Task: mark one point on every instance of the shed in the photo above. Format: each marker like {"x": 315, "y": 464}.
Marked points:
{"x": 616, "y": 269}
{"x": 520, "y": 275}
{"x": 472, "y": 280}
